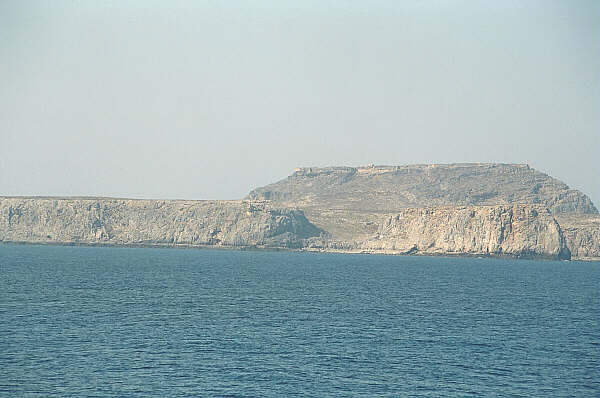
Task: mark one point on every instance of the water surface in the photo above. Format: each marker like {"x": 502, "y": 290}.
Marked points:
{"x": 89, "y": 321}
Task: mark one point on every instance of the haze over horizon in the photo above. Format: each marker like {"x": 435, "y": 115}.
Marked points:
{"x": 208, "y": 100}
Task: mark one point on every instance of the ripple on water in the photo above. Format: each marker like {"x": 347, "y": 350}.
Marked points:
{"x": 80, "y": 321}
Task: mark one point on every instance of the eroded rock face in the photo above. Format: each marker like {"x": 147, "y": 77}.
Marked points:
{"x": 169, "y": 222}
{"x": 350, "y": 203}
{"x": 582, "y": 234}
{"x": 516, "y": 230}
{"x": 476, "y": 209}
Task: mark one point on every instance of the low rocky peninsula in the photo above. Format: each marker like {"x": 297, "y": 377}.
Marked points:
{"x": 455, "y": 209}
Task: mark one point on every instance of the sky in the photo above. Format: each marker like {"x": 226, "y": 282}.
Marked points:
{"x": 210, "y": 99}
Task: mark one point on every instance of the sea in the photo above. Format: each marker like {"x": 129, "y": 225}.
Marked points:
{"x": 150, "y": 322}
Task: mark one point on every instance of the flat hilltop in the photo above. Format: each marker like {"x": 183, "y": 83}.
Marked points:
{"x": 392, "y": 188}
{"x": 483, "y": 209}
{"x": 353, "y": 203}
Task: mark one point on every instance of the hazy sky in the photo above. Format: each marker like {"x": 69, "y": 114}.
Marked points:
{"x": 208, "y": 99}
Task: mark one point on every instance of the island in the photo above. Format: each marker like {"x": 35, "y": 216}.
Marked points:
{"x": 472, "y": 209}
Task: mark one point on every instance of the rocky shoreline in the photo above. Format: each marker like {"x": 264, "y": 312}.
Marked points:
{"x": 307, "y": 249}
{"x": 518, "y": 231}
{"x": 339, "y": 210}
{"x": 168, "y": 222}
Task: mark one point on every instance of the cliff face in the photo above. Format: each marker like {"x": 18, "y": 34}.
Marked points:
{"x": 582, "y": 234}
{"x": 392, "y": 188}
{"x": 477, "y": 209}
{"x": 168, "y": 222}
{"x": 517, "y": 230}
{"x": 353, "y": 204}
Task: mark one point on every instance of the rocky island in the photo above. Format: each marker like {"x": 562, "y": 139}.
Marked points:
{"x": 454, "y": 209}
{"x": 152, "y": 222}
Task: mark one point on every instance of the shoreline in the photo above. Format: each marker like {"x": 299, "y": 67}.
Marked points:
{"x": 297, "y": 250}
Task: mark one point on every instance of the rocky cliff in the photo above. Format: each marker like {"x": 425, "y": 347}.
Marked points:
{"x": 502, "y": 230}
{"x": 473, "y": 209}
{"x": 582, "y": 235}
{"x": 516, "y": 230}
{"x": 156, "y": 222}
{"x": 355, "y": 205}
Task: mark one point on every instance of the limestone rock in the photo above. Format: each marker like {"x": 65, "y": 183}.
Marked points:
{"x": 516, "y": 230}
{"x": 392, "y": 188}
{"x": 472, "y": 209}
{"x": 351, "y": 203}
{"x": 582, "y": 234}
{"x": 161, "y": 222}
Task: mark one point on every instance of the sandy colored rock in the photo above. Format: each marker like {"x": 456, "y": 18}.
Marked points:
{"x": 516, "y": 230}
{"x": 466, "y": 209}
{"x": 582, "y": 234}
{"x": 161, "y": 222}
{"x": 392, "y": 188}
{"x": 353, "y": 204}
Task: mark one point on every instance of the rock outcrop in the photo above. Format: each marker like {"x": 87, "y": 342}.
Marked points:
{"x": 582, "y": 235}
{"x": 392, "y": 188}
{"x": 466, "y": 209}
{"x": 355, "y": 206}
{"x": 516, "y": 230}
{"x": 152, "y": 222}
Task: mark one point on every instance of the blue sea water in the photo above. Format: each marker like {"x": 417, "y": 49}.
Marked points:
{"x": 141, "y": 322}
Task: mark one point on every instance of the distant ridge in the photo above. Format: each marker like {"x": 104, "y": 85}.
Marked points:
{"x": 481, "y": 209}
{"x": 391, "y": 188}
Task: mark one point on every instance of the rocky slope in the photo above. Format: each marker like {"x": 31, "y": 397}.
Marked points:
{"x": 502, "y": 230}
{"x": 354, "y": 205}
{"x": 518, "y": 230}
{"x": 392, "y": 188}
{"x": 469, "y": 209}
{"x": 157, "y": 222}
